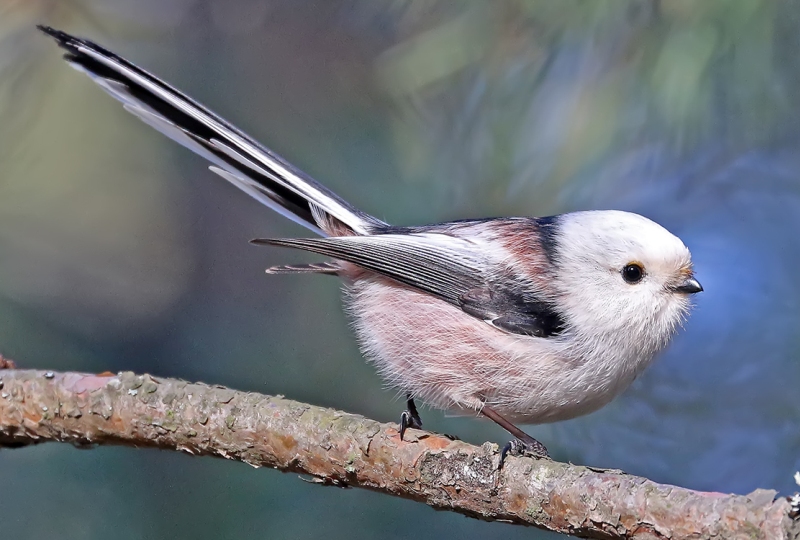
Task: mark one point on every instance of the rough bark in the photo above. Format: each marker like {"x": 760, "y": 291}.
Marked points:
{"x": 344, "y": 449}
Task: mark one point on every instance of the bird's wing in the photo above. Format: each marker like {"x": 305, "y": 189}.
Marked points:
{"x": 513, "y": 311}
{"x": 432, "y": 263}
{"x": 450, "y": 268}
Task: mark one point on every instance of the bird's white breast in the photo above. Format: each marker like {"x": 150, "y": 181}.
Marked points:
{"x": 451, "y": 360}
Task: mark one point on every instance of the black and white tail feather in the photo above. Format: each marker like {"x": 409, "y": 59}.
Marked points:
{"x": 236, "y": 157}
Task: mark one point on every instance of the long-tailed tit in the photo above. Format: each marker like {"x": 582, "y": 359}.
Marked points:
{"x": 520, "y": 319}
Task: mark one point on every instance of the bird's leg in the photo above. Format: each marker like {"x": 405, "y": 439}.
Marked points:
{"x": 410, "y": 417}
{"x": 524, "y": 444}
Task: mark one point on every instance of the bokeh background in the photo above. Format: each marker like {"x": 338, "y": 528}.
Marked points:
{"x": 120, "y": 251}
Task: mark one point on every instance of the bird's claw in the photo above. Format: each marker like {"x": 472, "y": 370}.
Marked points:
{"x": 529, "y": 448}
{"x": 409, "y": 418}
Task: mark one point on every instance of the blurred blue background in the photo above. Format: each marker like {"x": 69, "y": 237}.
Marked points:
{"x": 120, "y": 251}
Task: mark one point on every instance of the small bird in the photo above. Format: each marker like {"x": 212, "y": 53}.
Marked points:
{"x": 521, "y": 319}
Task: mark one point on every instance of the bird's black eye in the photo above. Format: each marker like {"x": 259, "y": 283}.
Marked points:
{"x": 633, "y": 273}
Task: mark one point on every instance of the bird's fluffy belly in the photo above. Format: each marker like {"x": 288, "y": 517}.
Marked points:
{"x": 435, "y": 351}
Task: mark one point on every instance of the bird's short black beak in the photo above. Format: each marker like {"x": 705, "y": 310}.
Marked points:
{"x": 689, "y": 286}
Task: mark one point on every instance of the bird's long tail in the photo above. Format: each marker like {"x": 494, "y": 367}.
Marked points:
{"x": 236, "y": 157}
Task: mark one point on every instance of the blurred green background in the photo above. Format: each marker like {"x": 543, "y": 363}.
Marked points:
{"x": 120, "y": 251}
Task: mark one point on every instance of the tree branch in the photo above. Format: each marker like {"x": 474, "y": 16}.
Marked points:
{"x": 348, "y": 450}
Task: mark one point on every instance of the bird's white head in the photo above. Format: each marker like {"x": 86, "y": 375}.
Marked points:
{"x": 622, "y": 280}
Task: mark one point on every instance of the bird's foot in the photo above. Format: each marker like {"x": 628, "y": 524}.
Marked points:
{"x": 530, "y": 447}
{"x": 523, "y": 445}
{"x": 409, "y": 418}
